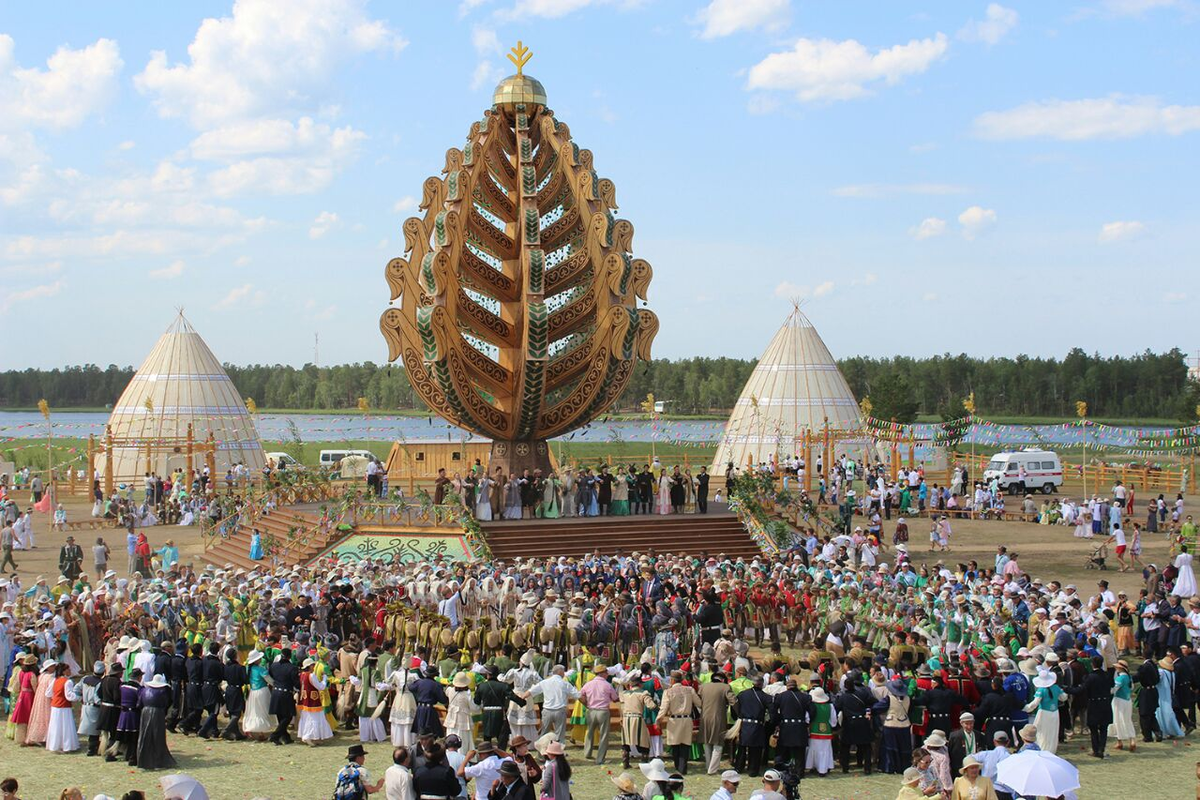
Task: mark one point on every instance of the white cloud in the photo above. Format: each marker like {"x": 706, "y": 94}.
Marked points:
{"x": 241, "y": 261}
{"x": 172, "y": 270}
{"x": 8, "y": 299}
{"x": 549, "y": 9}
{"x": 873, "y": 190}
{"x": 997, "y": 22}
{"x": 241, "y": 297}
{"x": 1138, "y": 8}
{"x": 975, "y": 220}
{"x": 929, "y": 227}
{"x": 1112, "y": 117}
{"x": 405, "y": 205}
{"x": 1120, "y": 230}
{"x": 308, "y": 169}
{"x": 490, "y": 68}
{"x": 1174, "y": 297}
{"x": 823, "y": 69}
{"x": 789, "y": 290}
{"x": 866, "y": 280}
{"x": 725, "y": 17}
{"x": 320, "y": 314}
{"x": 74, "y": 85}
{"x": 267, "y": 58}
{"x": 930, "y": 297}
{"x": 322, "y": 224}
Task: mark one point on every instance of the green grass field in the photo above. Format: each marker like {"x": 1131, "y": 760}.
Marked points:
{"x": 244, "y": 770}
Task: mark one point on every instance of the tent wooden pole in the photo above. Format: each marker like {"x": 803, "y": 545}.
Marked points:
{"x": 91, "y": 461}
{"x": 108, "y": 461}
{"x": 191, "y": 451}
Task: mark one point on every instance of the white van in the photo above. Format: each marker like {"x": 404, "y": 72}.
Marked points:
{"x": 331, "y": 458}
{"x": 283, "y": 461}
{"x": 1026, "y": 470}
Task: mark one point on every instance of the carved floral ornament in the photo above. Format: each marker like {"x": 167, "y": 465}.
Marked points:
{"x": 515, "y": 305}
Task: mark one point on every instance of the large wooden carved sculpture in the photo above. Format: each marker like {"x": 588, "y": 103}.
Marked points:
{"x": 517, "y": 311}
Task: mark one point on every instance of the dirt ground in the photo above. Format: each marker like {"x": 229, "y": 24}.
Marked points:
{"x": 251, "y": 770}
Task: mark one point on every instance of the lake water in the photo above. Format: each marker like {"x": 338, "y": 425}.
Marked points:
{"x": 323, "y": 427}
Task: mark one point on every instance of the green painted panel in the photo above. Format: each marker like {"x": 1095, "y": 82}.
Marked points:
{"x": 403, "y": 547}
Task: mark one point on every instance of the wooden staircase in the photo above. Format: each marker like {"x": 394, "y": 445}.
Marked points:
{"x": 716, "y": 532}
{"x": 235, "y": 549}
{"x": 672, "y": 533}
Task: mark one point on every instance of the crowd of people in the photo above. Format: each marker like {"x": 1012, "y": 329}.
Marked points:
{"x": 934, "y": 672}
{"x": 581, "y": 492}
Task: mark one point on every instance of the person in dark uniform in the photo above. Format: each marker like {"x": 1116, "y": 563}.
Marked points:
{"x": 604, "y": 484}
{"x": 678, "y": 493}
{"x": 176, "y": 675}
{"x": 793, "y": 713}
{"x": 1147, "y": 701}
{"x": 110, "y": 707}
{"x": 702, "y": 490}
{"x": 939, "y": 702}
{"x": 1097, "y": 691}
{"x": 429, "y": 693}
{"x": 235, "y": 699}
{"x": 645, "y": 489}
{"x": 854, "y": 706}
{"x": 754, "y": 708}
{"x": 210, "y": 691}
{"x": 710, "y": 617}
{"x": 994, "y": 712}
{"x": 283, "y": 695}
{"x": 194, "y": 668}
{"x": 493, "y": 697}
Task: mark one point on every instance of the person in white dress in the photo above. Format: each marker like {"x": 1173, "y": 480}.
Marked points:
{"x": 313, "y": 727}
{"x": 460, "y": 709}
{"x": 404, "y": 709}
{"x": 61, "y": 736}
{"x": 483, "y": 499}
{"x": 1185, "y": 582}
{"x": 258, "y": 719}
{"x": 522, "y": 720}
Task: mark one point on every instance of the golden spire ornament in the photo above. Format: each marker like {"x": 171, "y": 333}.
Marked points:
{"x": 520, "y": 56}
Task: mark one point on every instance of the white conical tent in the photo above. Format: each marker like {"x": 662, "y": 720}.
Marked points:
{"x": 795, "y": 386}
{"x": 180, "y": 382}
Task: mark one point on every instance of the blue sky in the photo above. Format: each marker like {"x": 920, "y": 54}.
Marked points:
{"x": 988, "y": 178}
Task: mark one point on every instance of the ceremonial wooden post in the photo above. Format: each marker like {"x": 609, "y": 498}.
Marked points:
{"x": 912, "y": 453}
{"x": 895, "y": 465}
{"x": 108, "y": 461}
{"x": 91, "y": 461}
{"x": 211, "y": 460}
{"x": 808, "y": 465}
{"x": 191, "y": 445}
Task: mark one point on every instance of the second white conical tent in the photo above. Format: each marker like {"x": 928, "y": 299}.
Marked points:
{"x": 795, "y": 386}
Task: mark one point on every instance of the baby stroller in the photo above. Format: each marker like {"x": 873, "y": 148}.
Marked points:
{"x": 1096, "y": 559}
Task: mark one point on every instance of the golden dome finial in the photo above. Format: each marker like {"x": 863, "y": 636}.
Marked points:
{"x": 520, "y": 56}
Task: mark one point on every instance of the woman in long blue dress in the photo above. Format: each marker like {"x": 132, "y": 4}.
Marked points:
{"x": 1167, "y": 721}
{"x": 256, "y": 550}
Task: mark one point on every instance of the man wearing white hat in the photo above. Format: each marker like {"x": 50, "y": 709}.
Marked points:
{"x": 729, "y": 785}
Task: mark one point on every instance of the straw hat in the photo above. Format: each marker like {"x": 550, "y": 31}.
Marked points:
{"x": 157, "y": 682}
{"x": 254, "y": 657}
{"x": 911, "y": 775}
{"x": 818, "y": 695}
{"x": 624, "y": 783}
{"x": 461, "y": 680}
{"x": 935, "y": 739}
{"x": 554, "y": 749}
{"x": 654, "y": 767}
{"x": 1028, "y": 733}
{"x": 968, "y": 762}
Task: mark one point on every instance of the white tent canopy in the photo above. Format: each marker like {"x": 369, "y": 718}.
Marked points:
{"x": 795, "y": 386}
{"x": 181, "y": 382}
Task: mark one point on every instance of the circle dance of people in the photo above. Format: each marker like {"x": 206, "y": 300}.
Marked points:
{"x": 900, "y": 667}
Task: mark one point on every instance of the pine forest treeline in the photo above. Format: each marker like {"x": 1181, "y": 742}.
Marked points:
{"x": 1150, "y": 385}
